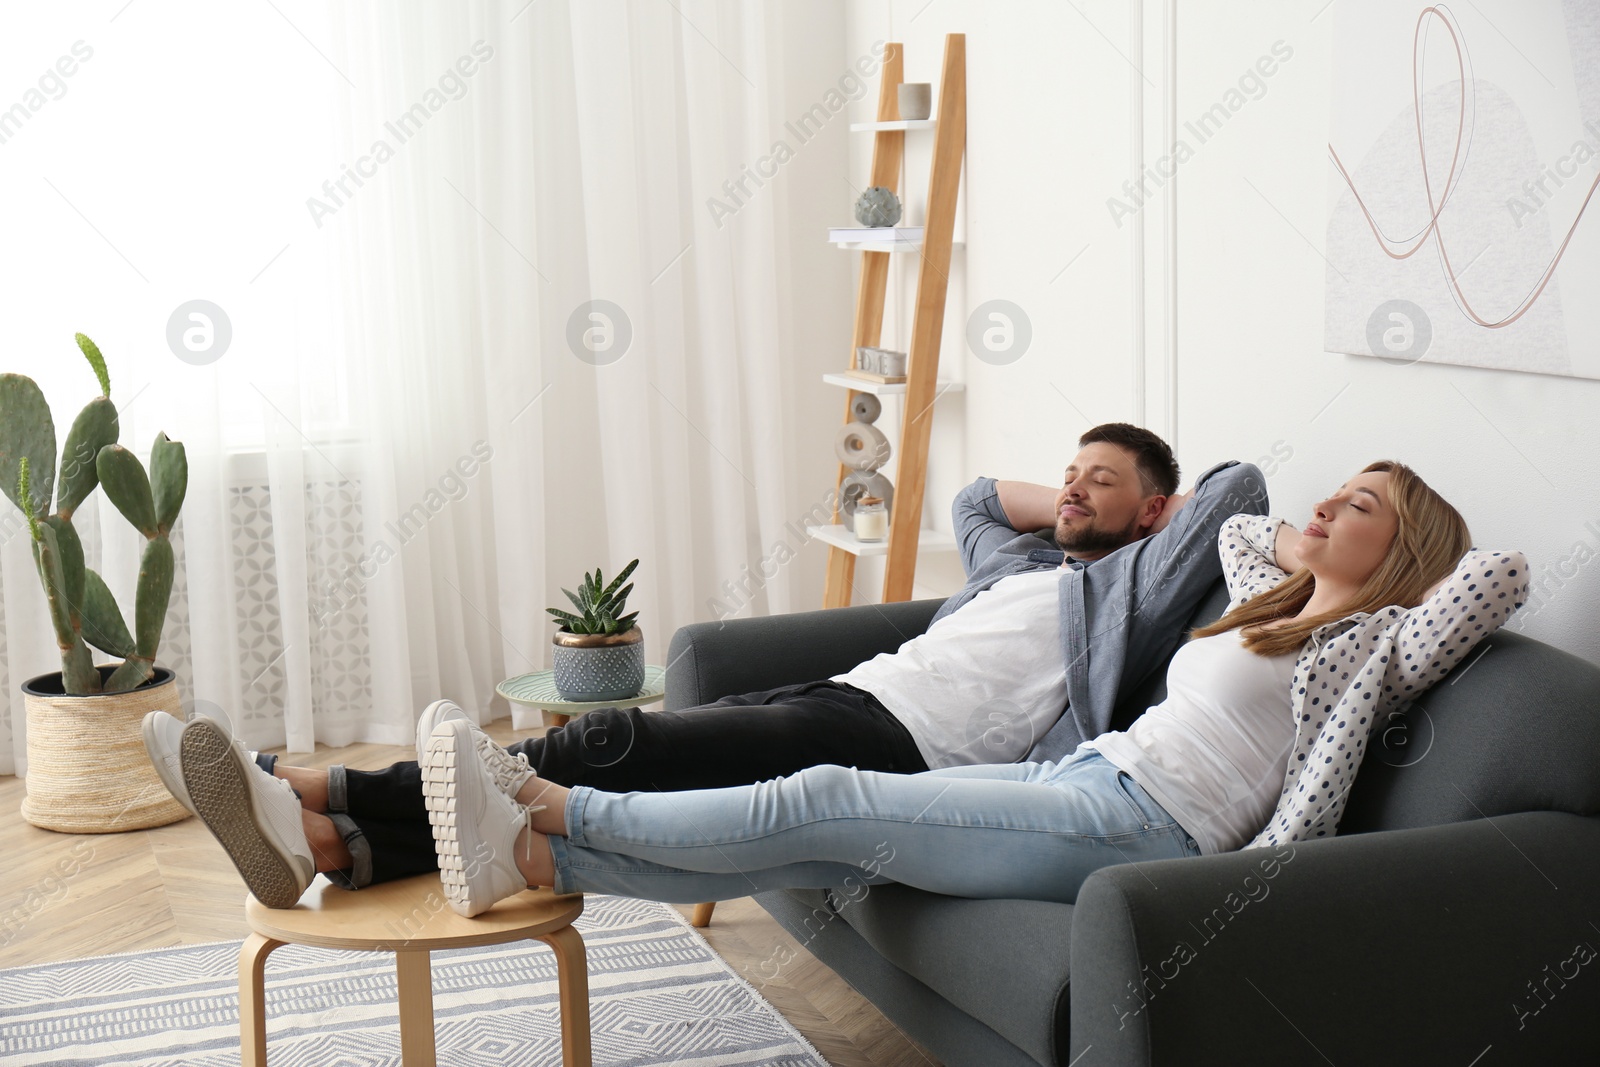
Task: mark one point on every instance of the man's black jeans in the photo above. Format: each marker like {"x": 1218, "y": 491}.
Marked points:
{"x": 735, "y": 741}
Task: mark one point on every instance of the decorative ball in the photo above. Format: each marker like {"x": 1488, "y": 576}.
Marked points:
{"x": 865, "y": 408}
{"x": 861, "y": 446}
{"x": 878, "y": 207}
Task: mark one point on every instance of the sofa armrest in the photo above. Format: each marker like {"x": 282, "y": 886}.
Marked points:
{"x": 707, "y": 661}
{"x": 1425, "y": 945}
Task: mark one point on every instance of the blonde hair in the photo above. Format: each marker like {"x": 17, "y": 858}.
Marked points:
{"x": 1430, "y": 539}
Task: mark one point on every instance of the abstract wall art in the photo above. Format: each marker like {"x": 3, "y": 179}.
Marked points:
{"x": 1464, "y": 153}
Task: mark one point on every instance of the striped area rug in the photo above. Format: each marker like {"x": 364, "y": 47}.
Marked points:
{"x": 657, "y": 995}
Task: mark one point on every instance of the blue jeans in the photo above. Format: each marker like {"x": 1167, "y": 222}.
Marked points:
{"x": 1022, "y": 830}
{"x": 739, "y": 739}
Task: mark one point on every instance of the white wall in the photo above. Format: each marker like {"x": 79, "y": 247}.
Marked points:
{"x": 1051, "y": 95}
{"x": 1515, "y": 452}
{"x": 817, "y": 313}
{"x": 1035, "y": 231}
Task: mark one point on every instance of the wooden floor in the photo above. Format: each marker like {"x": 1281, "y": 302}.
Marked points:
{"x": 69, "y": 895}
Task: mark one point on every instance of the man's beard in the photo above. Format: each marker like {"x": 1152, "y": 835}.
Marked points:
{"x": 1095, "y": 539}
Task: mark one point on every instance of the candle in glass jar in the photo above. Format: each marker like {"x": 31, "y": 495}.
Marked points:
{"x": 872, "y": 519}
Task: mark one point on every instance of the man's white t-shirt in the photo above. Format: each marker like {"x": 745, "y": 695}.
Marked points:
{"x": 982, "y": 684}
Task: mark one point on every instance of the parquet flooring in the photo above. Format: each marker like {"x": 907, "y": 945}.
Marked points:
{"x": 67, "y": 895}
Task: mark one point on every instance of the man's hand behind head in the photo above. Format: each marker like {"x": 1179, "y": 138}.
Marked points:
{"x": 1173, "y": 504}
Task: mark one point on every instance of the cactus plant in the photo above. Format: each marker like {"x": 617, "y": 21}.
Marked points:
{"x": 600, "y": 608}
{"x": 82, "y": 610}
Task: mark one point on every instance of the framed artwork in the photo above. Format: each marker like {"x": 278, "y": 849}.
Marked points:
{"x": 1464, "y": 155}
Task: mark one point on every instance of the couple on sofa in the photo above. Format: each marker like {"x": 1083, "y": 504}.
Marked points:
{"x": 908, "y": 768}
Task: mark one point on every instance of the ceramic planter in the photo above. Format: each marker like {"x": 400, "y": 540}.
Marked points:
{"x": 590, "y": 667}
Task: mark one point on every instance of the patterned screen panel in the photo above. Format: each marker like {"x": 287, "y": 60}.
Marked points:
{"x": 339, "y": 661}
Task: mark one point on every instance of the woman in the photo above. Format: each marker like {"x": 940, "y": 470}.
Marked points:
{"x": 1327, "y": 631}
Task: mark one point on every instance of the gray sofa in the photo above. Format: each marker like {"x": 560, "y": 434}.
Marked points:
{"x": 1454, "y": 920}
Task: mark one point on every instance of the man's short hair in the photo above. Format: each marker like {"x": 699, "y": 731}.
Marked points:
{"x": 1151, "y": 455}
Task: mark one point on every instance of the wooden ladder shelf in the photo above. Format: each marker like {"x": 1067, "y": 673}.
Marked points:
{"x": 933, "y": 279}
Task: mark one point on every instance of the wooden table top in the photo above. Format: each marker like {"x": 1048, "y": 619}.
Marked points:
{"x": 407, "y": 915}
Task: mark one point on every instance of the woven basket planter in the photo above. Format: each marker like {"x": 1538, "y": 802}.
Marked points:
{"x": 88, "y": 771}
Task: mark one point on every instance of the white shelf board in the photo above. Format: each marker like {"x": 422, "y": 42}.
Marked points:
{"x": 835, "y": 534}
{"x": 888, "y": 246}
{"x": 893, "y": 124}
{"x": 861, "y": 385}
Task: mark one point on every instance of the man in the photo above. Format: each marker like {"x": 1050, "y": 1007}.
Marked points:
{"x": 1087, "y": 589}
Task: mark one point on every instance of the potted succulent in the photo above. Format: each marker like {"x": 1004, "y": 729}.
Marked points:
{"x": 599, "y": 652}
{"x": 87, "y": 767}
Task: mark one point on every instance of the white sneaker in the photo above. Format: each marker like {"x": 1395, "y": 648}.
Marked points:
{"x": 254, "y": 815}
{"x": 161, "y": 733}
{"x": 475, "y": 825}
{"x": 432, "y": 715}
{"x": 509, "y": 771}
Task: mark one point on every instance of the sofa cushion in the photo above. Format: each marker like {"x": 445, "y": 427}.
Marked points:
{"x": 1512, "y": 729}
{"x": 951, "y": 1034}
{"x": 1003, "y": 961}
{"x": 707, "y": 661}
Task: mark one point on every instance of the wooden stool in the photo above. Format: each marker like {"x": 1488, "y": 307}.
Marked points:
{"x": 411, "y": 918}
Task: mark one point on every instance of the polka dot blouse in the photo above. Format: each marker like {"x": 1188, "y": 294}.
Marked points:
{"x": 1352, "y": 673}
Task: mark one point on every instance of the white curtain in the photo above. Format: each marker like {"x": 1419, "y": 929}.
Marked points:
{"x": 404, "y": 212}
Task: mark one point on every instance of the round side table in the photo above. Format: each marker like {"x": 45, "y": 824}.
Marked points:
{"x": 410, "y": 918}
{"x": 538, "y": 690}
